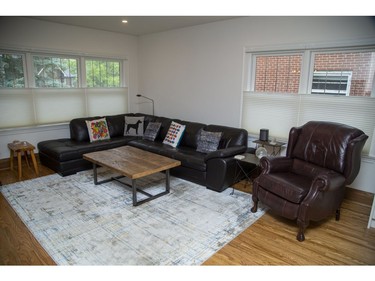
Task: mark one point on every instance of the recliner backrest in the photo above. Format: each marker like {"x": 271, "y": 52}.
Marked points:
{"x": 325, "y": 144}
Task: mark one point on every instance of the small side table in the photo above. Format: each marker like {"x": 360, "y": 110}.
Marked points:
{"x": 20, "y": 148}
{"x": 248, "y": 167}
{"x": 276, "y": 146}
{"x": 249, "y": 159}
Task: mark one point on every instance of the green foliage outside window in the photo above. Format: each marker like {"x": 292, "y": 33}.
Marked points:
{"x": 55, "y": 72}
{"x": 11, "y": 71}
{"x": 102, "y": 74}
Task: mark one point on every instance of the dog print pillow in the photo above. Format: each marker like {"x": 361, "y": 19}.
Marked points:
{"x": 133, "y": 126}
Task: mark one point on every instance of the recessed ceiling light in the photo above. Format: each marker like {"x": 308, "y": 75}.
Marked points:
{"x": 124, "y": 21}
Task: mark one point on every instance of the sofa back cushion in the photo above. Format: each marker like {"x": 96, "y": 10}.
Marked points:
{"x": 231, "y": 136}
{"x": 165, "y": 123}
{"x": 147, "y": 119}
{"x": 116, "y": 125}
{"x": 78, "y": 128}
{"x": 190, "y": 136}
{"x": 79, "y": 132}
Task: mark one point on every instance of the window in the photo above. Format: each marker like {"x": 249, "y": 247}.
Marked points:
{"x": 278, "y": 73}
{"x": 288, "y": 88}
{"x": 55, "y": 72}
{"x": 11, "y": 71}
{"x": 102, "y": 73}
{"x": 331, "y": 82}
{"x": 355, "y": 67}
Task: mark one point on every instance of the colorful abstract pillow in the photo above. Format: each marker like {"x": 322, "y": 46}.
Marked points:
{"x": 208, "y": 141}
{"x": 133, "y": 126}
{"x": 152, "y": 131}
{"x": 174, "y": 134}
{"x": 98, "y": 129}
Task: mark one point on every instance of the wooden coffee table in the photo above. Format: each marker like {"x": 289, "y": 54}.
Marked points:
{"x": 133, "y": 163}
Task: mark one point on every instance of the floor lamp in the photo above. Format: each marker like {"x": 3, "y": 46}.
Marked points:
{"x": 153, "y": 108}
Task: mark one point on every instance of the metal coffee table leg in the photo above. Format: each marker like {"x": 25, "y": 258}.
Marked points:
{"x": 134, "y": 188}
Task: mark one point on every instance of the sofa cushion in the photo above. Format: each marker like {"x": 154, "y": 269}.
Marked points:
{"x": 189, "y": 157}
{"x": 116, "y": 125}
{"x": 98, "y": 129}
{"x": 290, "y": 186}
{"x": 174, "y": 134}
{"x": 134, "y": 126}
{"x": 78, "y": 128}
{"x": 208, "y": 141}
{"x": 165, "y": 123}
{"x": 60, "y": 149}
{"x": 190, "y": 137}
{"x": 231, "y": 136}
{"x": 152, "y": 131}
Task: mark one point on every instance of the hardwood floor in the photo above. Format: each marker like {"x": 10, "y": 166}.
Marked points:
{"x": 269, "y": 241}
{"x": 17, "y": 244}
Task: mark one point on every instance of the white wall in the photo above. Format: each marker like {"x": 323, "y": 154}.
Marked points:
{"x": 20, "y": 32}
{"x": 196, "y": 73}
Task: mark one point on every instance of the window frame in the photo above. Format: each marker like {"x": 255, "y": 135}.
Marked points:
{"x": 31, "y": 69}
{"x": 25, "y": 76}
{"x": 253, "y": 60}
{"x": 28, "y": 67}
{"x": 307, "y": 64}
{"x": 121, "y": 74}
{"x": 250, "y": 62}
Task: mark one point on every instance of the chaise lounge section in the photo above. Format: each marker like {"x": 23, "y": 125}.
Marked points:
{"x": 216, "y": 170}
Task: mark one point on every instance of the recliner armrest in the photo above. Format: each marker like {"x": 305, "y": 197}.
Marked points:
{"x": 275, "y": 164}
{"x": 329, "y": 180}
{"x": 225, "y": 152}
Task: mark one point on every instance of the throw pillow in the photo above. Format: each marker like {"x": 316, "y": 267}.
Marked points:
{"x": 152, "y": 131}
{"x": 174, "y": 134}
{"x": 208, "y": 141}
{"x": 98, "y": 129}
{"x": 133, "y": 126}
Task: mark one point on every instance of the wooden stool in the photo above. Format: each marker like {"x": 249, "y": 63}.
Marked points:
{"x": 19, "y": 148}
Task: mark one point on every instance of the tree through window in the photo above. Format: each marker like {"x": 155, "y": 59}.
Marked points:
{"x": 11, "y": 71}
{"x": 55, "y": 72}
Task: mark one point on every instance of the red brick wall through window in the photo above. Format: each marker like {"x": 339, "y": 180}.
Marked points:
{"x": 281, "y": 74}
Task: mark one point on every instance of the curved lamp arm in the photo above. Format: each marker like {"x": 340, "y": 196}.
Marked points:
{"x": 153, "y": 107}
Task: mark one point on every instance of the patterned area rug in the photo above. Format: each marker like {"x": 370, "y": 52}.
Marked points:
{"x": 79, "y": 223}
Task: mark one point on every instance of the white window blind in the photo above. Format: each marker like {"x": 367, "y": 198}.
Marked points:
{"x": 106, "y": 101}
{"x": 58, "y": 105}
{"x": 40, "y": 106}
{"x": 16, "y": 108}
{"x": 280, "y": 112}
{"x": 277, "y": 112}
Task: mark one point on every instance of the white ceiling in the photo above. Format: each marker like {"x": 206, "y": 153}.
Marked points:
{"x": 137, "y": 25}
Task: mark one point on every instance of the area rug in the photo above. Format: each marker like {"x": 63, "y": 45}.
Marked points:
{"x": 79, "y": 223}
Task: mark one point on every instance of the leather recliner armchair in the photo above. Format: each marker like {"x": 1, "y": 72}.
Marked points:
{"x": 308, "y": 184}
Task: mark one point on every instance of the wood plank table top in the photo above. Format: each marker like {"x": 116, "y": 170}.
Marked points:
{"x": 131, "y": 162}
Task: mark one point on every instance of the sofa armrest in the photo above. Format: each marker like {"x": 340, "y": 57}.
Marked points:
{"x": 226, "y": 152}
